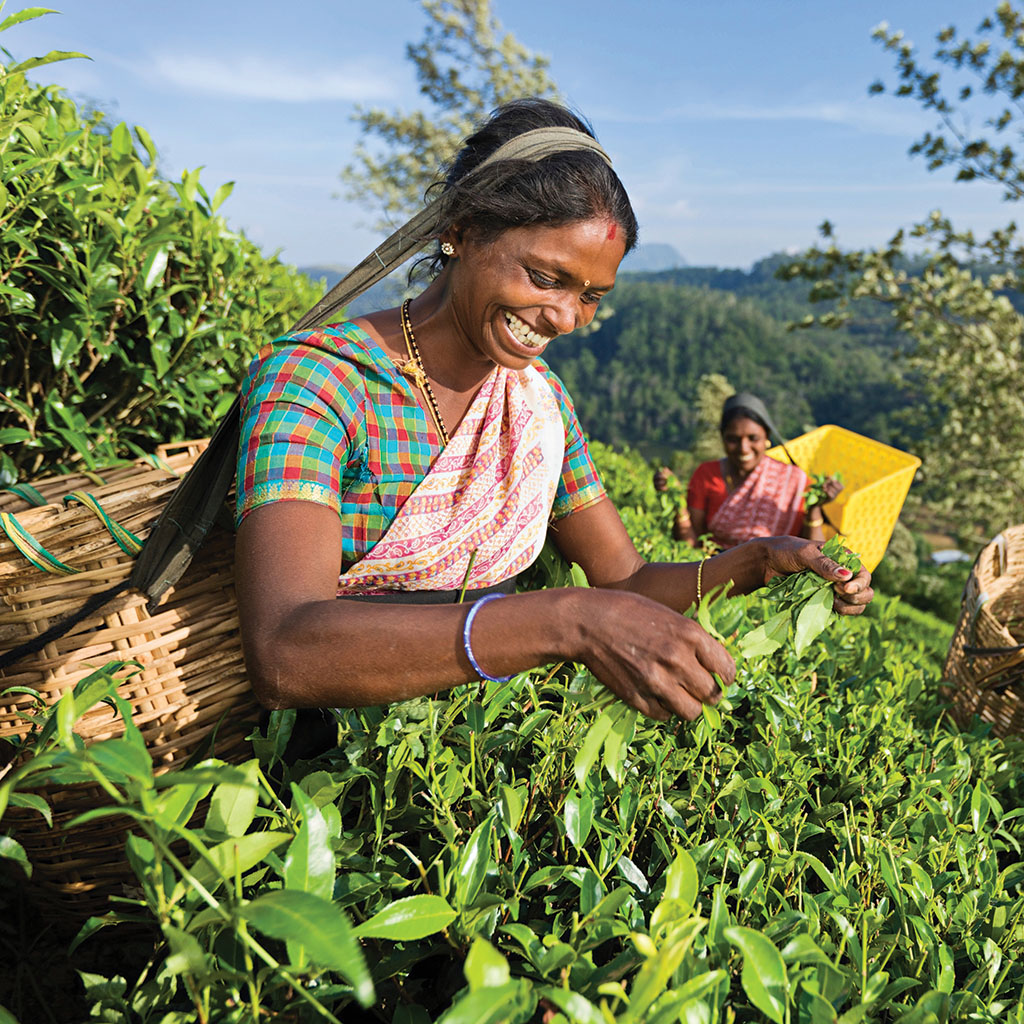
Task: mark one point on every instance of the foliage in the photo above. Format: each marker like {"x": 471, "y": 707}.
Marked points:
{"x": 819, "y": 846}
{"x": 712, "y": 391}
{"x": 966, "y": 332}
{"x": 637, "y": 381}
{"x": 466, "y": 66}
{"x": 130, "y": 310}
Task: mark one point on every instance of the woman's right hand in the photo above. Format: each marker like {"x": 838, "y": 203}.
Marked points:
{"x": 662, "y": 477}
{"x": 651, "y": 657}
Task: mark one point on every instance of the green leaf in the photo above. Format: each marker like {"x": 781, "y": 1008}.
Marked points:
{"x": 579, "y": 817}
{"x": 242, "y": 853}
{"x": 233, "y": 805}
{"x": 319, "y": 927}
{"x": 485, "y": 967}
{"x": 11, "y": 849}
{"x": 813, "y": 617}
{"x": 474, "y": 862}
{"x": 220, "y": 195}
{"x": 764, "y": 973}
{"x": 25, "y": 15}
{"x": 121, "y": 144}
{"x": 682, "y": 880}
{"x": 750, "y": 876}
{"x": 153, "y": 268}
{"x": 617, "y": 742}
{"x": 577, "y": 1008}
{"x": 414, "y": 917}
{"x": 767, "y": 637}
{"x": 309, "y": 863}
{"x": 122, "y": 759}
{"x": 591, "y": 747}
{"x": 514, "y": 1001}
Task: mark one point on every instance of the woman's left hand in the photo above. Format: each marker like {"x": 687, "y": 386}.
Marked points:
{"x": 785, "y": 555}
{"x": 833, "y": 488}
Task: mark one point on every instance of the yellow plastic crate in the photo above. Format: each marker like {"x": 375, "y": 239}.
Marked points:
{"x": 876, "y": 479}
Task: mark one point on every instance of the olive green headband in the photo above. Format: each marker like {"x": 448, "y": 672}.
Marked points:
{"x": 533, "y": 145}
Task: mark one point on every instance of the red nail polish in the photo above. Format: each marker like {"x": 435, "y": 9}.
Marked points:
{"x": 845, "y": 573}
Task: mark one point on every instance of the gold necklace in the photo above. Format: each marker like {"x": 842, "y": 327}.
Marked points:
{"x": 413, "y": 369}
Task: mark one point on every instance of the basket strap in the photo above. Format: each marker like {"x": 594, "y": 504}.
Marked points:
{"x": 989, "y": 652}
{"x": 157, "y": 463}
{"x": 31, "y": 548}
{"x": 126, "y": 540}
{"x": 27, "y": 493}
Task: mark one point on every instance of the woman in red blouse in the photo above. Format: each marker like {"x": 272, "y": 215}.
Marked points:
{"x": 745, "y": 495}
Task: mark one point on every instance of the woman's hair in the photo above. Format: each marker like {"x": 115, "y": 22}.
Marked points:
{"x": 560, "y": 189}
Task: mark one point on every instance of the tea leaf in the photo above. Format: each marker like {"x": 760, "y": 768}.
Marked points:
{"x": 309, "y": 863}
{"x": 813, "y": 617}
{"x": 485, "y": 967}
{"x": 319, "y": 927}
{"x": 764, "y": 973}
{"x": 414, "y": 917}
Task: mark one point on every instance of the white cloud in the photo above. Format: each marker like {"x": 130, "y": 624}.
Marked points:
{"x": 871, "y": 115}
{"x": 257, "y": 77}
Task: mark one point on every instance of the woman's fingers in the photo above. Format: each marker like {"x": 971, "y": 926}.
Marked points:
{"x": 660, "y": 662}
{"x": 853, "y": 597}
{"x": 852, "y": 590}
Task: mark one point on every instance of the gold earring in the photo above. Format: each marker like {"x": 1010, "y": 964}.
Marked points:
{"x": 447, "y": 248}
{"x": 586, "y": 284}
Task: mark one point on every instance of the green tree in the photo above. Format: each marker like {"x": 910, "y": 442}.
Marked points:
{"x": 129, "y": 309}
{"x": 950, "y": 291}
{"x": 712, "y": 391}
{"x": 466, "y": 66}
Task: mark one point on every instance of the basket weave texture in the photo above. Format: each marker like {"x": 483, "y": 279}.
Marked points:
{"x": 991, "y": 685}
{"x": 191, "y": 695}
{"x": 876, "y": 478}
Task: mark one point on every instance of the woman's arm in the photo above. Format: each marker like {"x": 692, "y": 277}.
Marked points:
{"x": 595, "y": 538}
{"x": 306, "y": 648}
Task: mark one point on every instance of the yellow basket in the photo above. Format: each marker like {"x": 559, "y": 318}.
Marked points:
{"x": 876, "y": 479}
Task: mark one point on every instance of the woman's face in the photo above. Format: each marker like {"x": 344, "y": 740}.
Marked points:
{"x": 513, "y": 295}
{"x": 745, "y": 442}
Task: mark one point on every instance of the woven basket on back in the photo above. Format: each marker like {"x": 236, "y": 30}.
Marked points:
{"x": 984, "y": 670}
{"x": 191, "y": 695}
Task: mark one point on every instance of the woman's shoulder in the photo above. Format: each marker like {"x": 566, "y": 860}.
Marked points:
{"x": 337, "y": 351}
{"x": 710, "y": 470}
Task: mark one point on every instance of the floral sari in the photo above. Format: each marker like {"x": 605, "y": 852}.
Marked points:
{"x": 480, "y": 515}
{"x": 768, "y": 503}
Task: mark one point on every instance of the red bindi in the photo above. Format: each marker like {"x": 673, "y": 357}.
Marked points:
{"x": 612, "y": 230}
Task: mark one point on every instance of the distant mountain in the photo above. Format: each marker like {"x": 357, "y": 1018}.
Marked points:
{"x": 653, "y": 256}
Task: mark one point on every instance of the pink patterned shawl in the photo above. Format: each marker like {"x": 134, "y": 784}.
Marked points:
{"x": 766, "y": 504}
{"x": 490, "y": 492}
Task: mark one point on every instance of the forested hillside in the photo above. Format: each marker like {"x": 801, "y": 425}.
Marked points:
{"x": 635, "y": 380}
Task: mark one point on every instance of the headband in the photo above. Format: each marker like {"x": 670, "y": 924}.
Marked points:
{"x": 533, "y": 145}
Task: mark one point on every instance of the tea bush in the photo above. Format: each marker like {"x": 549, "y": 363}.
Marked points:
{"x": 130, "y": 309}
{"x": 823, "y": 846}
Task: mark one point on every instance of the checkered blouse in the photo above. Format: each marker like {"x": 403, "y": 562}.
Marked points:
{"x": 327, "y": 417}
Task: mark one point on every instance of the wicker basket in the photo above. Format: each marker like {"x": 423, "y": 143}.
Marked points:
{"x": 984, "y": 670}
{"x": 191, "y": 696}
{"x": 876, "y": 479}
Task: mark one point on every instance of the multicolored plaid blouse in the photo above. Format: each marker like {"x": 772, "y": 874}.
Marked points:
{"x": 327, "y": 418}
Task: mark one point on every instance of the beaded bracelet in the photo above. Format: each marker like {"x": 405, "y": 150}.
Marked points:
{"x": 477, "y": 605}
{"x": 700, "y": 574}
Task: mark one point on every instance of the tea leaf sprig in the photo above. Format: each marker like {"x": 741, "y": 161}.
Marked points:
{"x": 816, "y": 493}
{"x": 803, "y": 606}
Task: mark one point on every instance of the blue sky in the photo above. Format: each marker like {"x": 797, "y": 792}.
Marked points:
{"x": 737, "y": 125}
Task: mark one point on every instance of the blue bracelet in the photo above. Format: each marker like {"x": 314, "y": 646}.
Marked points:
{"x": 477, "y": 605}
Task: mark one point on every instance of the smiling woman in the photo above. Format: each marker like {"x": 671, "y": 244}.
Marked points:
{"x": 398, "y": 471}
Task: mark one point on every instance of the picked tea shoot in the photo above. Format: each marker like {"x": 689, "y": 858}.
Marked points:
{"x": 802, "y": 604}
